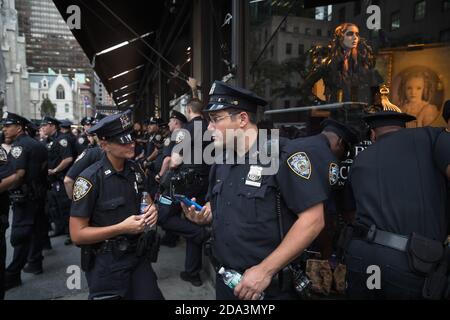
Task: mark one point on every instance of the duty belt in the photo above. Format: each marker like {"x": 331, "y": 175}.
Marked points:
{"x": 121, "y": 244}
{"x": 384, "y": 238}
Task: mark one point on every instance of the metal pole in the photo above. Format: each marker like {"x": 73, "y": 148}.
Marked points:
{"x": 238, "y": 35}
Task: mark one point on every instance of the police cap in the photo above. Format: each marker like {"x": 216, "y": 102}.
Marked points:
{"x": 348, "y": 134}
{"x": 97, "y": 117}
{"x": 223, "y": 96}
{"x": 115, "y": 128}
{"x": 65, "y": 123}
{"x": 86, "y": 121}
{"x": 387, "y": 118}
{"x": 50, "y": 120}
{"x": 12, "y": 118}
{"x": 446, "y": 111}
{"x": 178, "y": 115}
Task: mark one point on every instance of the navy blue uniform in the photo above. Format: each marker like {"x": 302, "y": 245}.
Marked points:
{"x": 29, "y": 220}
{"x": 399, "y": 189}
{"x": 244, "y": 206}
{"x": 6, "y": 170}
{"x": 58, "y": 203}
{"x": 170, "y": 218}
{"x": 108, "y": 197}
{"x": 81, "y": 143}
{"x": 88, "y": 157}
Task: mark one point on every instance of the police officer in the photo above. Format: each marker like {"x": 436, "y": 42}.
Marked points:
{"x": 89, "y": 156}
{"x": 183, "y": 164}
{"x": 59, "y": 160}
{"x": 65, "y": 129}
{"x": 153, "y": 156}
{"x": 105, "y": 216}
{"x": 250, "y": 200}
{"x": 7, "y": 178}
{"x": 82, "y": 141}
{"x": 400, "y": 197}
{"x": 28, "y": 194}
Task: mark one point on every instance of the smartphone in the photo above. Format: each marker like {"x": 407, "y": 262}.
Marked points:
{"x": 187, "y": 201}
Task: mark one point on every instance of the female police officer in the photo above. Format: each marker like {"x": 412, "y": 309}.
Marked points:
{"x": 105, "y": 218}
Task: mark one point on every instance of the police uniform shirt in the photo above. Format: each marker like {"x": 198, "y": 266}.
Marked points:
{"x": 6, "y": 169}
{"x": 30, "y": 155}
{"x": 196, "y": 127}
{"x": 104, "y": 195}
{"x": 244, "y": 206}
{"x": 442, "y": 151}
{"x": 72, "y": 140}
{"x": 167, "y": 147}
{"x": 88, "y": 157}
{"x": 58, "y": 150}
{"x": 397, "y": 185}
{"x": 149, "y": 146}
{"x": 82, "y": 143}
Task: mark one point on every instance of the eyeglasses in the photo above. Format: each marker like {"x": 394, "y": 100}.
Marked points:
{"x": 214, "y": 120}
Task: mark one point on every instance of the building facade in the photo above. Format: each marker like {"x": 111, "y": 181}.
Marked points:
{"x": 14, "y": 89}
{"x": 49, "y": 42}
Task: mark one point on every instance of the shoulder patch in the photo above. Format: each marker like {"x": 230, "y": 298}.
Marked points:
{"x": 299, "y": 163}
{"x": 80, "y": 140}
{"x": 167, "y": 142}
{"x": 81, "y": 188}
{"x": 3, "y": 155}
{"x": 16, "y": 151}
{"x": 179, "y": 137}
{"x": 63, "y": 143}
{"x": 333, "y": 174}
{"x": 80, "y": 156}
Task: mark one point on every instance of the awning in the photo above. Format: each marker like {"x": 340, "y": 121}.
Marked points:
{"x": 107, "y": 23}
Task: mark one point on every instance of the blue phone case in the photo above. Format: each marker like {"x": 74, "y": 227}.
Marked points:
{"x": 188, "y": 202}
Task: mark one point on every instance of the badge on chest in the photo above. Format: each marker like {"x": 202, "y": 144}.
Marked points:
{"x": 254, "y": 176}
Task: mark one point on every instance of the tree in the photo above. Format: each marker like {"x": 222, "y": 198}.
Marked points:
{"x": 47, "y": 108}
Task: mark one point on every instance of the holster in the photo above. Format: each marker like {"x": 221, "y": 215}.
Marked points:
{"x": 148, "y": 245}
{"x": 423, "y": 254}
{"x": 87, "y": 258}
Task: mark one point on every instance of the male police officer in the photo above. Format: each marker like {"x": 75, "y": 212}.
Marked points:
{"x": 65, "y": 129}
{"x": 7, "y": 177}
{"x": 29, "y": 160}
{"x": 245, "y": 202}
{"x": 82, "y": 141}
{"x": 400, "y": 200}
{"x": 105, "y": 215}
{"x": 59, "y": 159}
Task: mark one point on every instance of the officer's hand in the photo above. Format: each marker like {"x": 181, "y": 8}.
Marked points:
{"x": 133, "y": 224}
{"x": 158, "y": 178}
{"x": 192, "y": 82}
{"x": 199, "y": 217}
{"x": 151, "y": 215}
{"x": 253, "y": 283}
{"x": 51, "y": 172}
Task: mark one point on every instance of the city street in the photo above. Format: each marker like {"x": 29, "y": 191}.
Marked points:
{"x": 52, "y": 284}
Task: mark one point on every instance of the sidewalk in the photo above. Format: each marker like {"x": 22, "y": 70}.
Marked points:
{"x": 52, "y": 283}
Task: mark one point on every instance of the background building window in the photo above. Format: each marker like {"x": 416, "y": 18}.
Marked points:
{"x": 319, "y": 32}
{"x": 288, "y": 48}
{"x": 60, "y": 94}
{"x": 395, "y": 20}
{"x": 287, "y": 103}
{"x": 301, "y": 48}
{"x": 66, "y": 108}
{"x": 420, "y": 10}
{"x": 444, "y": 35}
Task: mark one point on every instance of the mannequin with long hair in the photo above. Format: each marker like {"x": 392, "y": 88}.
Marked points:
{"x": 346, "y": 67}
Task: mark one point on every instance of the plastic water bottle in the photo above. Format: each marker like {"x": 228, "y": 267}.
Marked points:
{"x": 232, "y": 278}
{"x": 144, "y": 204}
